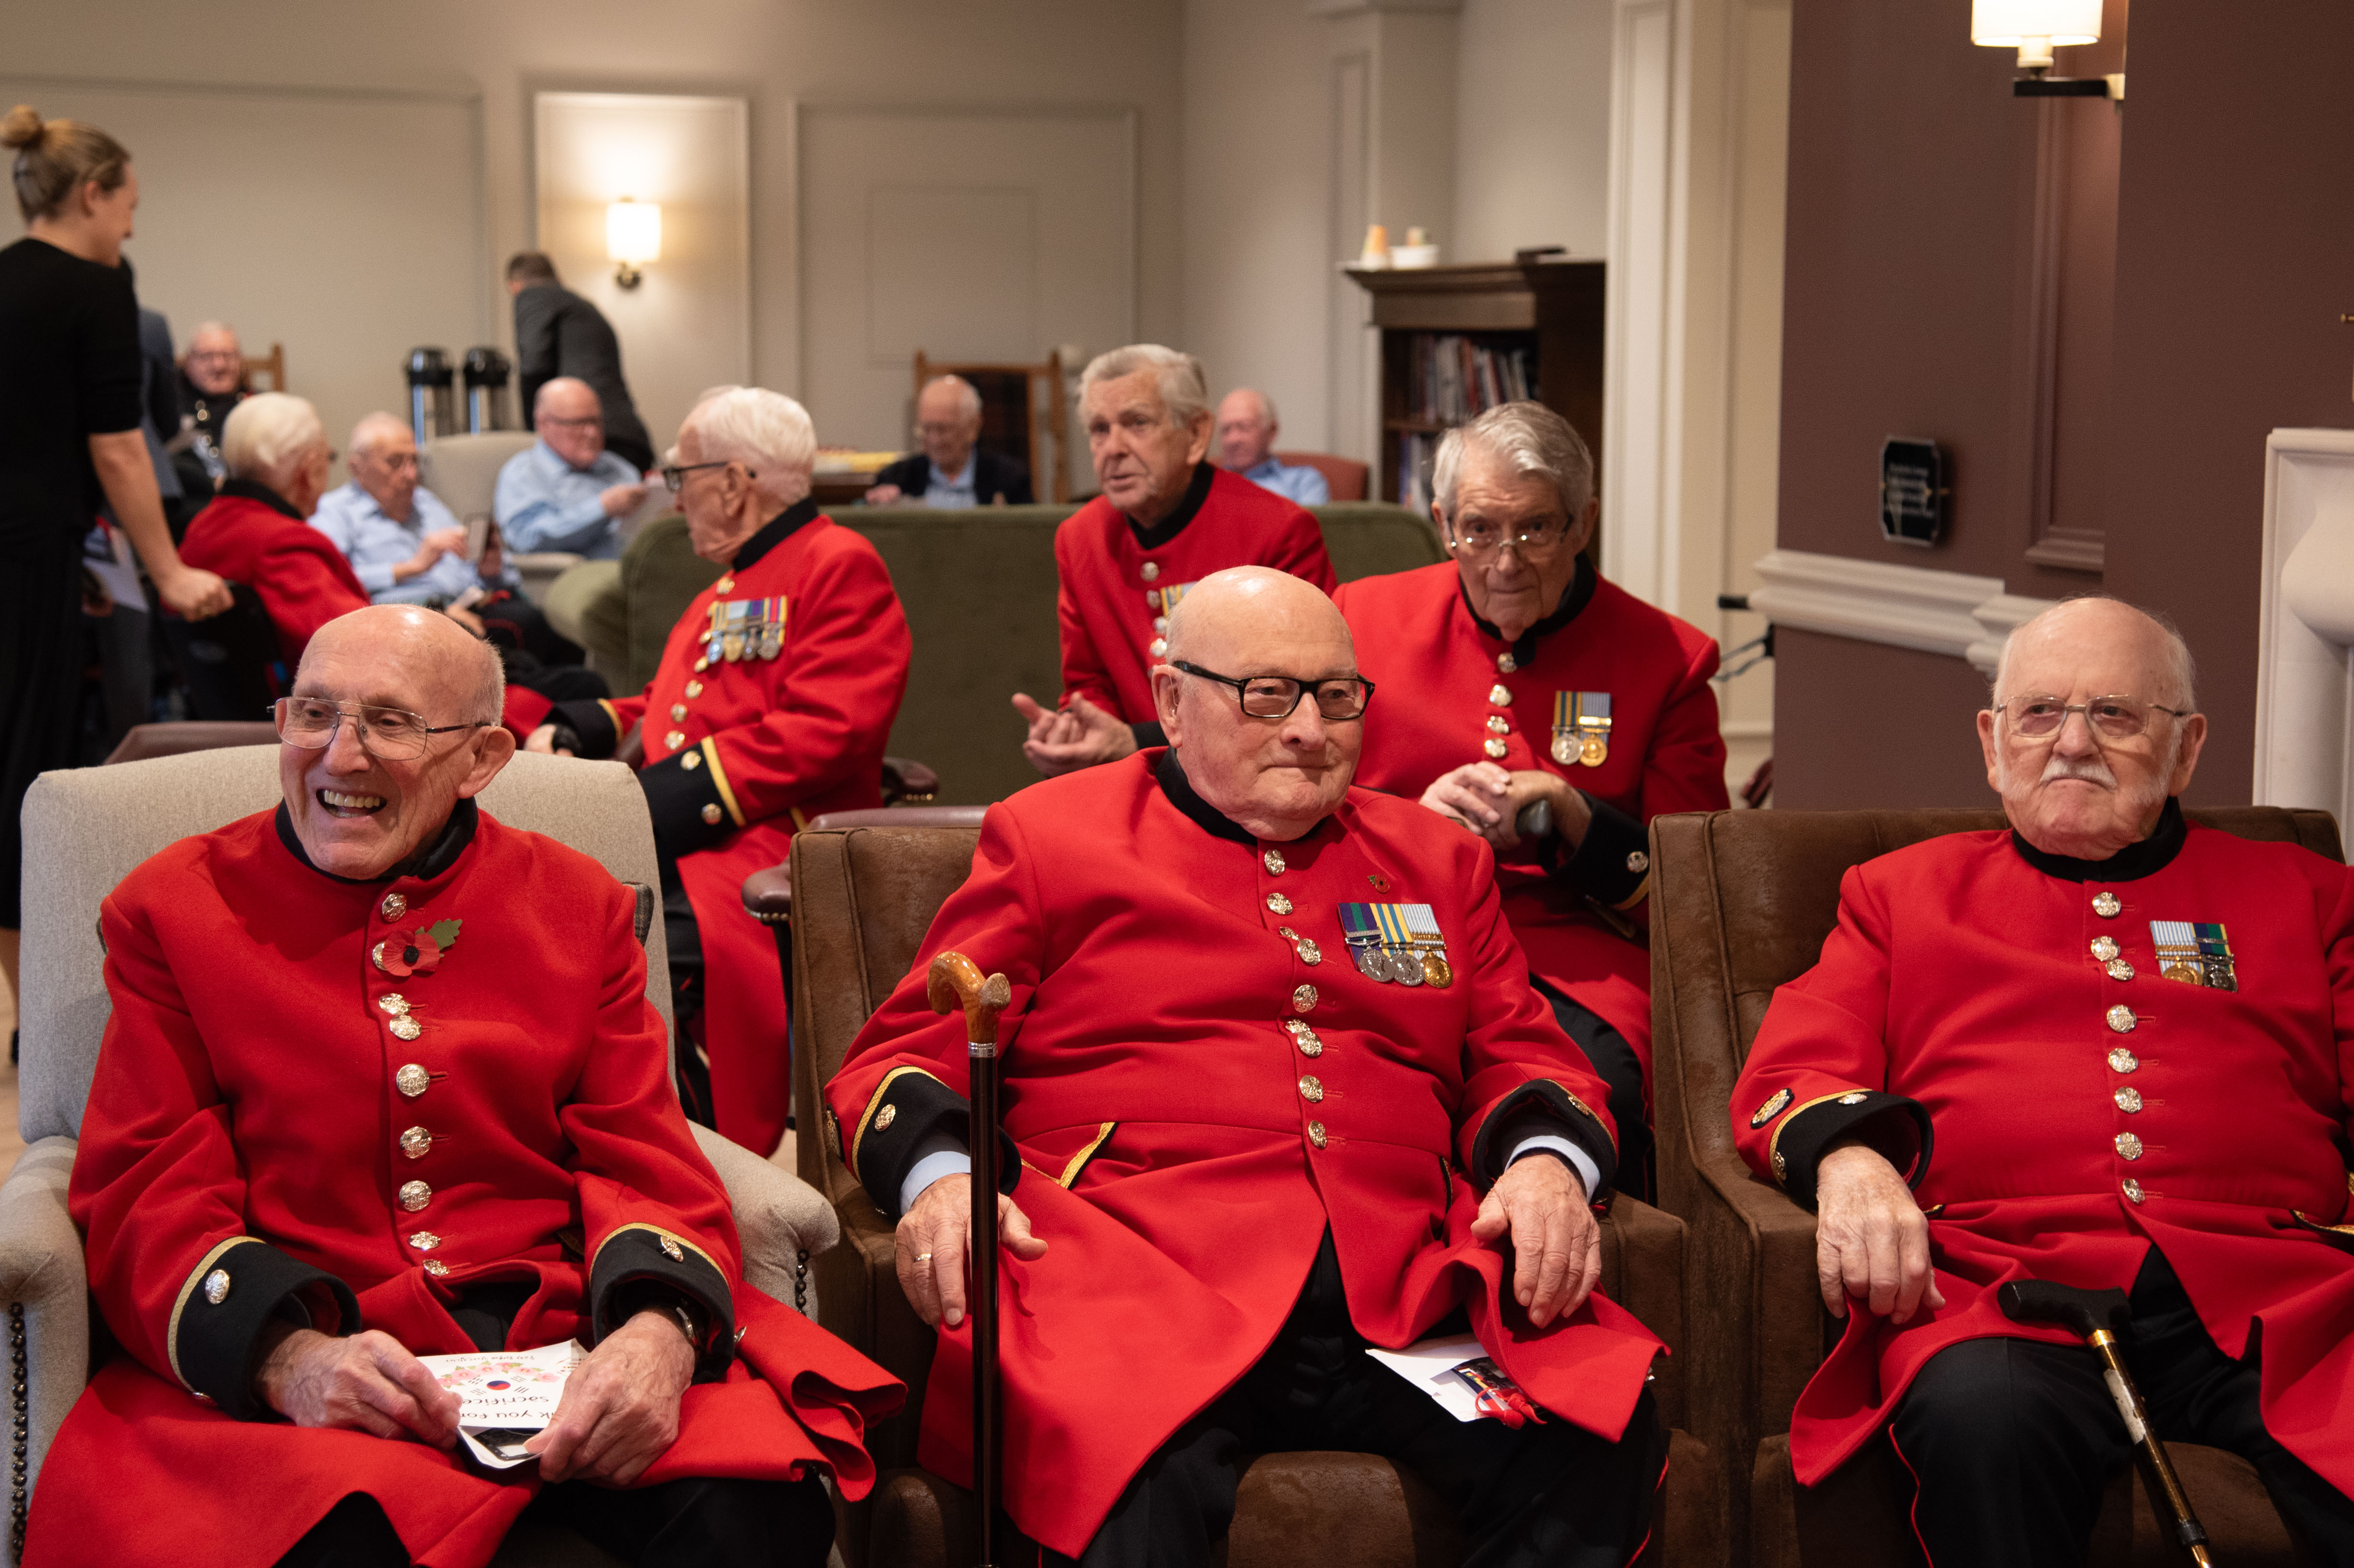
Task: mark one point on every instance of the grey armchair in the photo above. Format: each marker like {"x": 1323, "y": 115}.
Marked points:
{"x": 85, "y": 829}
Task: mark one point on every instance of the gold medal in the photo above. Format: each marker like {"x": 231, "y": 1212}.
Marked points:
{"x": 1565, "y": 750}
{"x": 1435, "y": 970}
{"x": 1593, "y": 750}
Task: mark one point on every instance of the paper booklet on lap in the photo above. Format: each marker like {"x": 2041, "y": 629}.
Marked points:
{"x": 1456, "y": 1372}
{"x": 506, "y": 1397}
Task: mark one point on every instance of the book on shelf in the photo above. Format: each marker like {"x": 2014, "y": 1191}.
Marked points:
{"x": 1453, "y": 377}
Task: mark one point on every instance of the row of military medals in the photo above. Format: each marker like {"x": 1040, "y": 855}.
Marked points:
{"x": 1398, "y": 942}
{"x": 745, "y": 629}
{"x": 1163, "y": 603}
{"x": 1581, "y": 722}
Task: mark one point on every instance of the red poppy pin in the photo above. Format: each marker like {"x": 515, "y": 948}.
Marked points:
{"x": 416, "y": 951}
{"x": 1380, "y": 884}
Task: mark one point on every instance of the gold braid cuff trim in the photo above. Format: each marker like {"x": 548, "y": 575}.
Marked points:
{"x": 613, "y": 717}
{"x": 1643, "y": 891}
{"x": 719, "y": 777}
{"x": 1773, "y": 1146}
{"x": 875, "y": 1103}
{"x": 660, "y": 1234}
{"x": 188, "y": 1288}
{"x": 1580, "y": 1106}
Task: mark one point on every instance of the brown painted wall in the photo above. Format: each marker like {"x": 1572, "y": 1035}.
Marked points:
{"x": 2236, "y": 257}
{"x": 2207, "y": 247}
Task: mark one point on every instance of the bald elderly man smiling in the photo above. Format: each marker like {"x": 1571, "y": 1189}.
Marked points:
{"x": 1281, "y": 1092}
{"x": 381, "y": 1081}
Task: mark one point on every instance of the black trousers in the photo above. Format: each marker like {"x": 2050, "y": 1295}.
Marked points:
{"x": 1621, "y": 1070}
{"x": 1549, "y": 1494}
{"x": 2011, "y": 1442}
{"x": 697, "y": 1523}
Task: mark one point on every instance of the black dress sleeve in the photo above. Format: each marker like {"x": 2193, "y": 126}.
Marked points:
{"x": 110, "y": 373}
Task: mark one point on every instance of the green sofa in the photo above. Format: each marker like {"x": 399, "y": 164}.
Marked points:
{"x": 979, "y": 589}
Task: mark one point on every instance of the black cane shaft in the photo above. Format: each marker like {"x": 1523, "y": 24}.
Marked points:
{"x": 983, "y": 1265}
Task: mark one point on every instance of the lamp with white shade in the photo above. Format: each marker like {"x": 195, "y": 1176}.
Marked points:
{"x": 2036, "y": 27}
{"x": 632, "y": 239}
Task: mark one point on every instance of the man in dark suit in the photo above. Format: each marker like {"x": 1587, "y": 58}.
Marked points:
{"x": 557, "y": 333}
{"x": 951, "y": 470}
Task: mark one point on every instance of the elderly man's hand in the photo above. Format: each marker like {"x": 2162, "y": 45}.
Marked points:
{"x": 194, "y": 594}
{"x": 884, "y": 495}
{"x": 1871, "y": 1241}
{"x": 1080, "y": 736}
{"x": 367, "y": 1382}
{"x": 620, "y": 1407}
{"x": 1473, "y": 797}
{"x": 543, "y": 740}
{"x": 1556, "y": 1245}
{"x": 467, "y": 619}
{"x": 933, "y": 1240}
{"x": 621, "y": 500}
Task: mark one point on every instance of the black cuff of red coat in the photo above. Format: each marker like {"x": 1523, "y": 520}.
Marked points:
{"x": 910, "y": 1110}
{"x": 1896, "y": 1125}
{"x": 592, "y": 721}
{"x": 217, "y": 1345}
{"x": 634, "y": 1270}
{"x": 1579, "y": 1124}
{"x": 1613, "y": 862}
{"x": 684, "y": 803}
{"x": 1147, "y": 735}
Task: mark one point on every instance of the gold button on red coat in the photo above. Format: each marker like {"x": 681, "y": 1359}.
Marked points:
{"x": 2121, "y": 1019}
{"x": 393, "y": 907}
{"x": 1311, "y": 1090}
{"x": 1303, "y": 998}
{"x": 411, "y": 1080}
{"x": 416, "y": 1143}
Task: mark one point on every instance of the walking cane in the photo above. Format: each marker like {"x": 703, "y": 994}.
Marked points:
{"x": 2095, "y": 1316}
{"x": 955, "y": 981}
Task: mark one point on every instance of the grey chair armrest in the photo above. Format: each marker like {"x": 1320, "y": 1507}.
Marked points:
{"x": 778, "y": 1215}
{"x": 41, "y": 1270}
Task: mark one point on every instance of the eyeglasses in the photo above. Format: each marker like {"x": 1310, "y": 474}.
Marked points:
{"x": 1481, "y": 537}
{"x": 926, "y": 430}
{"x": 2042, "y": 715}
{"x": 393, "y": 735}
{"x": 675, "y": 474}
{"x": 1275, "y": 696}
{"x": 585, "y": 421}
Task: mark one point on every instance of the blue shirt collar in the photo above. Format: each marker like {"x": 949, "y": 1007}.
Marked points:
{"x": 962, "y": 480}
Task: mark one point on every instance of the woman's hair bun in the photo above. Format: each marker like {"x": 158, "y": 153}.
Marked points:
{"x": 22, "y": 127}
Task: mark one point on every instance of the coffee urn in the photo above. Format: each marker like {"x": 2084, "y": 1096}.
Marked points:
{"x": 486, "y": 371}
{"x": 432, "y": 405}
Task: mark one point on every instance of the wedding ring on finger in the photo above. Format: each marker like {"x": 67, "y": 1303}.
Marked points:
{"x": 923, "y": 1258}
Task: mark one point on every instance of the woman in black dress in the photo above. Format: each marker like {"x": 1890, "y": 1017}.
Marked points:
{"x": 70, "y": 378}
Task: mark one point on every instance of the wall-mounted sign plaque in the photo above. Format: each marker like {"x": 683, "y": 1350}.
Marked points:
{"x": 1913, "y": 490}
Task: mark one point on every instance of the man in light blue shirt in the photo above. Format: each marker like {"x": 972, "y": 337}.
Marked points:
{"x": 566, "y": 491}
{"x": 1246, "y": 426}
{"x": 404, "y": 544}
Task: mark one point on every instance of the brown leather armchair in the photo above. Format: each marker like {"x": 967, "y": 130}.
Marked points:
{"x": 1740, "y": 903}
{"x": 865, "y": 897}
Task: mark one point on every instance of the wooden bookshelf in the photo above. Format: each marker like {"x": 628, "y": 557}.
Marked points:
{"x": 1545, "y": 317}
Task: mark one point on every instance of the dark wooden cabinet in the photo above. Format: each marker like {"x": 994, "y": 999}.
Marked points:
{"x": 1457, "y": 339}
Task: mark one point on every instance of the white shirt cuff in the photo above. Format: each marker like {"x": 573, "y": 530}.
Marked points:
{"x": 1579, "y": 1160}
{"x": 938, "y": 1156}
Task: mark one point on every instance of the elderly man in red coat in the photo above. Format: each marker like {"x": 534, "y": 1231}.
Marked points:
{"x": 1245, "y": 1158}
{"x": 1166, "y": 519}
{"x": 774, "y": 698}
{"x": 2131, "y": 1043}
{"x": 1515, "y": 675}
{"x": 382, "y": 1081}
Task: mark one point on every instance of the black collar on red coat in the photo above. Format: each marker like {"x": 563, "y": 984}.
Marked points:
{"x": 424, "y": 866}
{"x": 249, "y": 490}
{"x": 1580, "y": 594}
{"x": 2131, "y": 863}
{"x": 1197, "y": 491}
{"x": 1208, "y": 818}
{"x": 773, "y": 533}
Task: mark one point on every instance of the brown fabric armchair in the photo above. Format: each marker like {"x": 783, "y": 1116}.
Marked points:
{"x": 864, "y": 899}
{"x": 1740, "y": 903}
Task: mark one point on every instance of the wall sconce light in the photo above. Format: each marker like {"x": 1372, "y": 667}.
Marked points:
{"x": 2036, "y": 27}
{"x": 632, "y": 237}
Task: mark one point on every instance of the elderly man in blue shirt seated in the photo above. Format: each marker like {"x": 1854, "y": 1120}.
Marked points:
{"x": 405, "y": 546}
{"x": 1246, "y": 426}
{"x": 566, "y": 491}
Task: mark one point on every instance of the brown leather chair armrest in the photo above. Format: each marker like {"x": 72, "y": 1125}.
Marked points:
{"x": 768, "y": 894}
{"x": 1793, "y": 1332}
{"x": 1643, "y": 1271}
{"x": 906, "y": 781}
{"x": 901, "y": 817}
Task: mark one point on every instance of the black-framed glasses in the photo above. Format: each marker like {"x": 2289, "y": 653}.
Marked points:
{"x": 581, "y": 422}
{"x": 393, "y": 735}
{"x": 2042, "y": 716}
{"x": 675, "y": 474}
{"x": 1339, "y": 700}
{"x": 1481, "y": 538}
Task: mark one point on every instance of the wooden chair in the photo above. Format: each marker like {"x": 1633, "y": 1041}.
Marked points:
{"x": 1011, "y": 417}
{"x": 175, "y": 738}
{"x": 1742, "y": 902}
{"x": 1345, "y": 477}
{"x": 272, "y": 364}
{"x": 864, "y": 897}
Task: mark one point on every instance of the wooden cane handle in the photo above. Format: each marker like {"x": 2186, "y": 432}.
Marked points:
{"x": 955, "y": 981}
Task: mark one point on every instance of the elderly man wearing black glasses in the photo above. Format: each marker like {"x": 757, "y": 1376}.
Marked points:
{"x": 1281, "y": 1092}
{"x": 1552, "y": 712}
{"x": 772, "y": 704}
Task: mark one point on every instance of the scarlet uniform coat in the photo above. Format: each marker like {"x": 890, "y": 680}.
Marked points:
{"x": 739, "y": 754}
{"x": 302, "y": 579}
{"x": 1435, "y": 668}
{"x": 1183, "y": 1152}
{"x": 245, "y": 1129}
{"x": 1112, "y": 582}
{"x": 1962, "y": 991}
